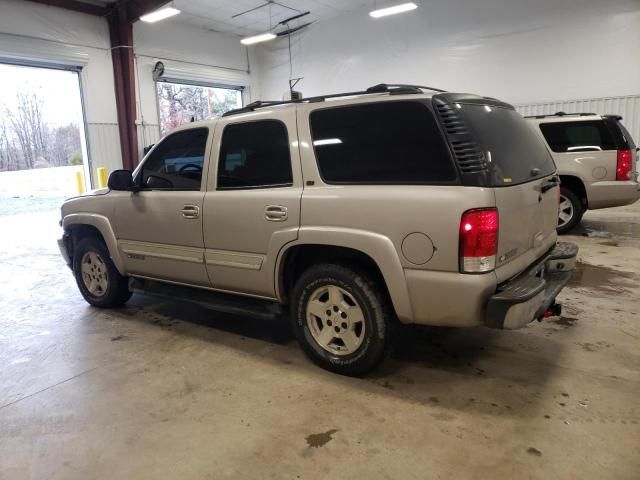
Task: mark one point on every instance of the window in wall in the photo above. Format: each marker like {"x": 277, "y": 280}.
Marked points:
{"x": 176, "y": 163}
{"x": 254, "y": 155}
{"x": 380, "y": 143}
{"x": 179, "y": 103}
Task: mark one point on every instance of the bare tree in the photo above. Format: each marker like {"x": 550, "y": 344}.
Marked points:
{"x": 181, "y": 103}
{"x": 9, "y": 158}
{"x": 29, "y": 127}
{"x": 63, "y": 143}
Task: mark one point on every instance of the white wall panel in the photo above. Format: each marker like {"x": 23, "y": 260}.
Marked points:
{"x": 104, "y": 144}
{"x": 188, "y": 54}
{"x": 520, "y": 51}
{"x": 32, "y": 32}
{"x": 148, "y": 134}
{"x": 627, "y": 106}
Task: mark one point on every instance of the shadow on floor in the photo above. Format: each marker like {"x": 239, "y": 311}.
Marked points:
{"x": 478, "y": 369}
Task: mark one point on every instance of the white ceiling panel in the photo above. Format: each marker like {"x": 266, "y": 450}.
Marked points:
{"x": 218, "y": 15}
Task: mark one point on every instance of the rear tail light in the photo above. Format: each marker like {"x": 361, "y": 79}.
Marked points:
{"x": 624, "y": 165}
{"x": 478, "y": 240}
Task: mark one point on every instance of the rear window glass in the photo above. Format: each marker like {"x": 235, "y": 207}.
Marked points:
{"x": 380, "y": 143}
{"x": 582, "y": 136}
{"x": 514, "y": 152}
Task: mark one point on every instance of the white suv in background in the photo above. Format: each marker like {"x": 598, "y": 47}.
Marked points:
{"x": 596, "y": 158}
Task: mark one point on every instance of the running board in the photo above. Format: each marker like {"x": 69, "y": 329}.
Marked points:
{"x": 222, "y": 302}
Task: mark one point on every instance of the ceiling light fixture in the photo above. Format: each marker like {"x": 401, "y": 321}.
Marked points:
{"x": 263, "y": 37}
{"x": 403, "y": 7}
{"x": 159, "y": 14}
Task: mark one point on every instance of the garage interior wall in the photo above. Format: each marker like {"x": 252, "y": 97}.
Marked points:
{"x": 520, "y": 51}
{"x": 34, "y": 32}
{"x": 188, "y": 54}
{"x": 456, "y": 45}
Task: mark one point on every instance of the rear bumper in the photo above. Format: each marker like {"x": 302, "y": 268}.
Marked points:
{"x": 612, "y": 194}
{"x": 526, "y": 297}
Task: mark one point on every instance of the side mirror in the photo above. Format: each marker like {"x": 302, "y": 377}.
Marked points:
{"x": 121, "y": 180}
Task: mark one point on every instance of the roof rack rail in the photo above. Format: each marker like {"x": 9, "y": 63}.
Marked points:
{"x": 563, "y": 114}
{"x": 391, "y": 89}
{"x": 395, "y": 87}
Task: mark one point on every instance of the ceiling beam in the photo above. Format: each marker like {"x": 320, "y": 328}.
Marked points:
{"x": 133, "y": 8}
{"x": 76, "y": 6}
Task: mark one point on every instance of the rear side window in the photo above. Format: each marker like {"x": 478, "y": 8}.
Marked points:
{"x": 513, "y": 151}
{"x": 626, "y": 142}
{"x": 176, "y": 163}
{"x": 254, "y": 155}
{"x": 380, "y": 143}
{"x": 582, "y": 136}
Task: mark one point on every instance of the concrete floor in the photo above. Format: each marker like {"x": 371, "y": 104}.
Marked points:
{"x": 163, "y": 389}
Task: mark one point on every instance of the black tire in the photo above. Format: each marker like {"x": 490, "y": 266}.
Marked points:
{"x": 379, "y": 320}
{"x": 116, "y": 292}
{"x": 577, "y": 212}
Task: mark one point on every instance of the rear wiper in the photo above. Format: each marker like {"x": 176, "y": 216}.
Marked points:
{"x": 550, "y": 183}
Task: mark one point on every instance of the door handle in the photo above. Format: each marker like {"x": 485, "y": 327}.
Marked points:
{"x": 190, "y": 211}
{"x": 275, "y": 213}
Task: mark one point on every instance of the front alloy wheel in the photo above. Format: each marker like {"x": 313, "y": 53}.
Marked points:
{"x": 98, "y": 279}
{"x": 94, "y": 273}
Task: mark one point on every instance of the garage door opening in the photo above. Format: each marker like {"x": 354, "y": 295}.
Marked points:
{"x": 180, "y": 103}
{"x": 43, "y": 154}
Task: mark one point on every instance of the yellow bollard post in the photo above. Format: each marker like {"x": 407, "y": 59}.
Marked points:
{"x": 102, "y": 177}
{"x": 79, "y": 183}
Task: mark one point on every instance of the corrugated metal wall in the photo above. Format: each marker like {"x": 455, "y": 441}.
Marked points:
{"x": 628, "y": 107}
{"x": 104, "y": 143}
{"x": 104, "y": 146}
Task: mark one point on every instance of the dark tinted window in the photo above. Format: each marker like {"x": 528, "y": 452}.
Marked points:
{"x": 514, "y": 152}
{"x": 578, "y": 136}
{"x": 177, "y": 162}
{"x": 383, "y": 142}
{"x": 254, "y": 154}
{"x": 625, "y": 141}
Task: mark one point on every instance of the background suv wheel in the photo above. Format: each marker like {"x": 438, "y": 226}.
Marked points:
{"x": 570, "y": 211}
{"x": 99, "y": 281}
{"x": 342, "y": 319}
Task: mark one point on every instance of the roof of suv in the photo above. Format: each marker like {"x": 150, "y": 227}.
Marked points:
{"x": 569, "y": 117}
{"x": 377, "y": 91}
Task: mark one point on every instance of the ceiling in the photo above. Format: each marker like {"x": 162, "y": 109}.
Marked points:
{"x": 217, "y": 15}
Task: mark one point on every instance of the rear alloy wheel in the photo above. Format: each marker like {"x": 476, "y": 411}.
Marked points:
{"x": 570, "y": 210}
{"x": 335, "y": 320}
{"x": 342, "y": 319}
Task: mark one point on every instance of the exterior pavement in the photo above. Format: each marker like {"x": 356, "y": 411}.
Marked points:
{"x": 164, "y": 389}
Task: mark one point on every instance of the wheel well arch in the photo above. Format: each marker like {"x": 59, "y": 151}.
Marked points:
{"x": 300, "y": 258}
{"x": 576, "y": 185}
{"x": 78, "y": 231}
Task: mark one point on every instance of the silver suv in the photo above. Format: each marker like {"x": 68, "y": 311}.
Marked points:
{"x": 360, "y": 211}
{"x": 596, "y": 159}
